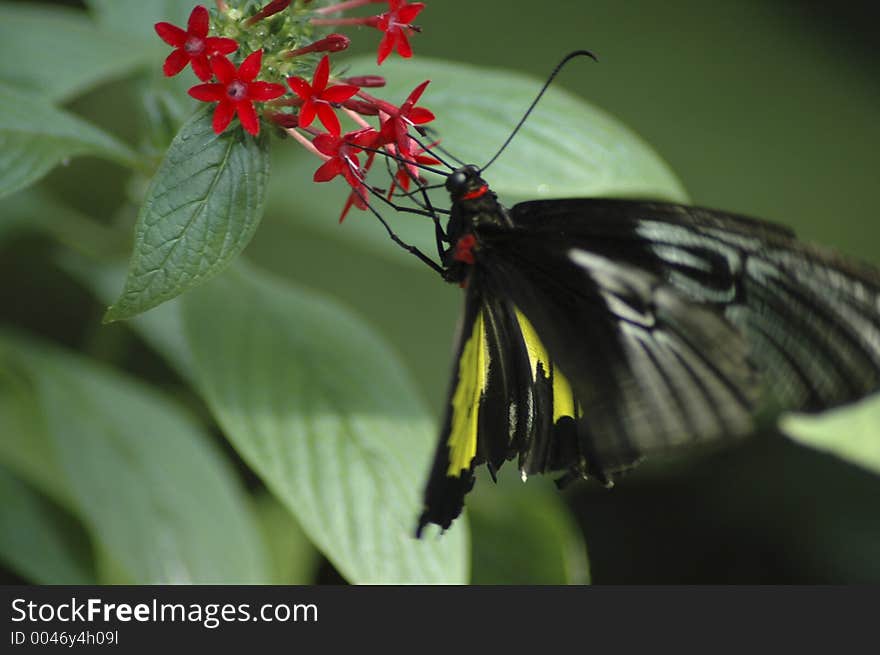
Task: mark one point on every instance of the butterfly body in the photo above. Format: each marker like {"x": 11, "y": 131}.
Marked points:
{"x": 596, "y": 332}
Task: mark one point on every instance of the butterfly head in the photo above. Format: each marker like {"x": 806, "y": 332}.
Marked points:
{"x": 465, "y": 183}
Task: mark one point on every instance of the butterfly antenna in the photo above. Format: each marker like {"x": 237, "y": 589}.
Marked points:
{"x": 556, "y": 71}
{"x": 431, "y": 132}
{"x": 430, "y": 150}
{"x": 402, "y": 160}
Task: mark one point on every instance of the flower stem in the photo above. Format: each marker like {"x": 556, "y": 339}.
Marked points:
{"x": 353, "y": 115}
{"x": 305, "y": 143}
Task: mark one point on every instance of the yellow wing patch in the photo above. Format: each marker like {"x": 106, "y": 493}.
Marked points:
{"x": 473, "y": 371}
{"x": 563, "y": 397}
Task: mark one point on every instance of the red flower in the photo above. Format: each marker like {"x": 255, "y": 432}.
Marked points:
{"x": 407, "y": 172}
{"x": 343, "y": 152}
{"x": 237, "y": 92}
{"x": 395, "y": 128}
{"x": 317, "y": 97}
{"x": 193, "y": 45}
{"x": 396, "y": 23}
{"x": 358, "y": 198}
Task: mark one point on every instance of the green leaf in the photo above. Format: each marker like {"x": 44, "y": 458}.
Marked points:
{"x": 60, "y": 53}
{"x": 38, "y": 541}
{"x": 293, "y": 558}
{"x": 34, "y": 210}
{"x": 136, "y": 18}
{"x": 153, "y": 491}
{"x": 851, "y": 433}
{"x": 567, "y": 148}
{"x": 26, "y": 448}
{"x": 201, "y": 210}
{"x": 321, "y": 409}
{"x": 35, "y": 137}
{"x": 549, "y": 548}
{"x": 161, "y": 328}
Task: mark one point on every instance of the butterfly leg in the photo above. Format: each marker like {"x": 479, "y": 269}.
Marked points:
{"x": 396, "y": 239}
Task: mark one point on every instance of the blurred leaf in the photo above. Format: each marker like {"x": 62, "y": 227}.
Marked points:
{"x": 36, "y": 137}
{"x": 37, "y": 540}
{"x": 851, "y": 433}
{"x": 161, "y": 328}
{"x": 567, "y": 148}
{"x": 136, "y": 18}
{"x": 60, "y": 52}
{"x": 110, "y": 570}
{"x": 25, "y": 447}
{"x": 200, "y": 211}
{"x": 524, "y": 534}
{"x": 150, "y": 487}
{"x": 293, "y": 558}
{"x": 33, "y": 210}
{"x": 321, "y": 409}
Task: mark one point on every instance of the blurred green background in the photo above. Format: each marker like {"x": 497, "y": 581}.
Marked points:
{"x": 765, "y": 108}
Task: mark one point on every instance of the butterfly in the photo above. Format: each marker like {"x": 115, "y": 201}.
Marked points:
{"x": 596, "y": 332}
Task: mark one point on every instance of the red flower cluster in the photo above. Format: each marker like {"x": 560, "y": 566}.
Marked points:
{"x": 392, "y": 135}
{"x": 317, "y": 97}
{"x": 193, "y": 45}
{"x": 396, "y": 23}
{"x": 235, "y": 90}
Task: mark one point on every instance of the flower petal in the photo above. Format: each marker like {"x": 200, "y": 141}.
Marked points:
{"x": 175, "y": 62}
{"x": 351, "y": 172}
{"x": 208, "y": 92}
{"x": 338, "y": 93}
{"x": 216, "y": 45}
{"x": 388, "y": 131}
{"x": 386, "y": 45}
{"x": 223, "y": 69}
{"x": 307, "y": 113}
{"x": 322, "y": 74}
{"x": 248, "y": 117}
{"x": 413, "y": 97}
{"x": 403, "y": 47}
{"x": 326, "y": 144}
{"x": 223, "y": 116}
{"x": 201, "y": 67}
{"x": 420, "y": 115}
{"x": 250, "y": 67}
{"x": 328, "y": 118}
{"x": 367, "y": 137}
{"x": 300, "y": 87}
{"x": 170, "y": 34}
{"x": 423, "y": 159}
{"x": 408, "y": 14}
{"x": 263, "y": 91}
{"x": 328, "y": 170}
{"x": 198, "y": 22}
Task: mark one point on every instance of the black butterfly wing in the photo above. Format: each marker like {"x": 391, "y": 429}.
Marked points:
{"x": 505, "y": 400}
{"x": 596, "y": 331}
{"x": 650, "y": 369}
{"x": 452, "y": 472}
{"x": 811, "y": 318}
